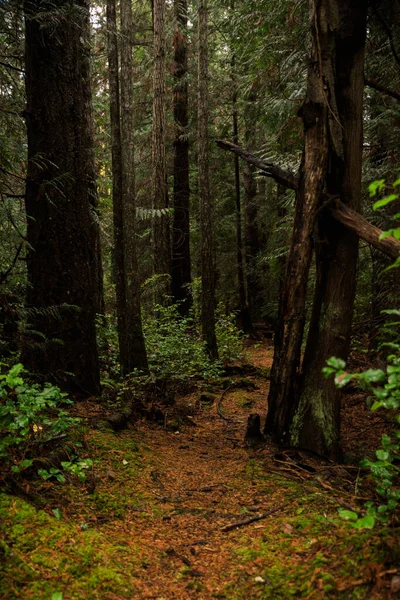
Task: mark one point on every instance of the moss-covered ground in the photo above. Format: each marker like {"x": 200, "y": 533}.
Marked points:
{"x": 150, "y": 524}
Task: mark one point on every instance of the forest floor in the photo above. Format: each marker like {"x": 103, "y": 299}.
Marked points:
{"x": 153, "y": 524}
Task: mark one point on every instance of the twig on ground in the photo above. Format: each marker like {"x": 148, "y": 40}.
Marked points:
{"x": 253, "y": 519}
{"x": 219, "y": 404}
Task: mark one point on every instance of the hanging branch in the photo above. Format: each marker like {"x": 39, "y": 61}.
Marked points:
{"x": 268, "y": 169}
{"x": 381, "y": 88}
{"x": 5, "y": 274}
{"x": 365, "y": 230}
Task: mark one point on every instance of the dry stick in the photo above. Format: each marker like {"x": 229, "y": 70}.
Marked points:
{"x": 219, "y": 403}
{"x": 252, "y": 519}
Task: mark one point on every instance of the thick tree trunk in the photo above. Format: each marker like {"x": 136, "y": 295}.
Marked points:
{"x": 181, "y": 267}
{"x": 318, "y": 116}
{"x": 206, "y": 220}
{"x": 63, "y": 260}
{"x": 161, "y": 236}
{"x": 133, "y": 351}
{"x": 316, "y": 425}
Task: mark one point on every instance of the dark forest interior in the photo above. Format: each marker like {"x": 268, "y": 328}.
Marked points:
{"x": 199, "y": 299}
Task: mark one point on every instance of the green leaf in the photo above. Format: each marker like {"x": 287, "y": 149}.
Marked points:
{"x": 385, "y": 201}
{"x": 57, "y": 513}
{"x": 382, "y": 455}
{"x": 57, "y": 596}
{"x": 336, "y": 363}
{"x": 348, "y": 515}
{"x": 367, "y": 522}
{"x": 376, "y": 186}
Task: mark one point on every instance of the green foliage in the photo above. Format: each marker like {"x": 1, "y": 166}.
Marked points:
{"x": 175, "y": 350}
{"x": 31, "y": 416}
{"x": 384, "y": 385}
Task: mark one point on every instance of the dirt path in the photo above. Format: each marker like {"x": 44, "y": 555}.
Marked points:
{"x": 153, "y": 528}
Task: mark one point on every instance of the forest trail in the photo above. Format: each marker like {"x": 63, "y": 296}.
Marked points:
{"x": 153, "y": 526}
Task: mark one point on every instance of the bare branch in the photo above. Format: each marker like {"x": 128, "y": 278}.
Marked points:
{"x": 381, "y": 88}
{"x": 285, "y": 178}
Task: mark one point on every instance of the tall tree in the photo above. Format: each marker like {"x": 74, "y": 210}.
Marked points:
{"x": 206, "y": 209}
{"x": 161, "y": 235}
{"x": 63, "y": 256}
{"x": 244, "y": 314}
{"x": 181, "y": 267}
{"x": 133, "y": 351}
{"x": 315, "y": 114}
{"x": 317, "y": 421}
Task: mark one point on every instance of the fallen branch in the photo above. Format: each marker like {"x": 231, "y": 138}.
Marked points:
{"x": 219, "y": 404}
{"x": 252, "y": 519}
{"x": 365, "y": 230}
{"x": 381, "y": 88}
{"x": 342, "y": 213}
{"x": 268, "y": 169}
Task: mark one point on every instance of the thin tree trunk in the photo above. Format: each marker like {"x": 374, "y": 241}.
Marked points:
{"x": 116, "y": 167}
{"x": 317, "y": 421}
{"x": 133, "y": 353}
{"x": 181, "y": 266}
{"x": 161, "y": 236}
{"x": 206, "y": 220}
{"x": 244, "y": 315}
{"x": 62, "y": 230}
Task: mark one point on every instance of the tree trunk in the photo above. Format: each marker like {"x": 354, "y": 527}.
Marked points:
{"x": 318, "y": 117}
{"x": 316, "y": 425}
{"x": 244, "y": 315}
{"x": 181, "y": 267}
{"x": 116, "y": 167}
{"x": 133, "y": 351}
{"x": 206, "y": 220}
{"x": 62, "y": 230}
{"x": 161, "y": 236}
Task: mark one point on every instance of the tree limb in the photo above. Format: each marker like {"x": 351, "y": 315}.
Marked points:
{"x": 342, "y": 213}
{"x": 381, "y": 88}
{"x": 5, "y": 274}
{"x": 285, "y": 178}
{"x": 365, "y": 230}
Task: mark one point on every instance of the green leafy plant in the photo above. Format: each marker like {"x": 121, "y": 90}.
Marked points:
{"x": 384, "y": 386}
{"x": 31, "y": 417}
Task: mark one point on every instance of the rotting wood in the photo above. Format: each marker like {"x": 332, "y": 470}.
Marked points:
{"x": 250, "y": 520}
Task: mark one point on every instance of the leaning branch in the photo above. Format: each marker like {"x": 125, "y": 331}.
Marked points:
{"x": 365, "y": 230}
{"x": 381, "y": 88}
{"x": 342, "y": 213}
{"x": 268, "y": 169}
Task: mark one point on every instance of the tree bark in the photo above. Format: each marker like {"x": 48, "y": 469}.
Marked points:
{"x": 206, "y": 209}
{"x": 161, "y": 236}
{"x": 318, "y": 117}
{"x": 286, "y": 178}
{"x": 133, "y": 351}
{"x": 62, "y": 230}
{"x": 352, "y": 220}
{"x": 181, "y": 266}
{"x": 316, "y": 425}
{"x": 116, "y": 168}
{"x": 244, "y": 314}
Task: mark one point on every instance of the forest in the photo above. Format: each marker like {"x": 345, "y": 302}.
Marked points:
{"x": 199, "y": 299}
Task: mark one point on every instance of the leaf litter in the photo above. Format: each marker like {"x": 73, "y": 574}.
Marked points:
{"x": 193, "y": 512}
